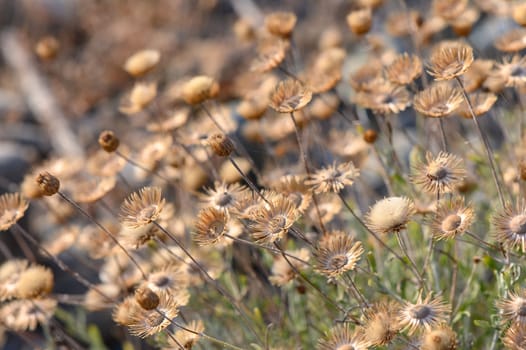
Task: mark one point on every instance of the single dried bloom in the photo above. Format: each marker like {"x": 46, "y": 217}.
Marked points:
{"x": 12, "y": 208}
{"x": 425, "y": 313}
{"x": 337, "y": 253}
{"x": 282, "y": 272}
{"x": 381, "y": 324}
{"x": 146, "y": 298}
{"x": 360, "y": 21}
{"x": 289, "y": 96}
{"x": 438, "y": 100}
{"x": 10, "y": 272}
{"x": 210, "y": 226}
{"x": 440, "y": 174}
{"x": 390, "y": 215}
{"x": 221, "y": 144}
{"x": 145, "y": 323}
{"x": 512, "y": 41}
{"x": 513, "y": 308}
{"x": 341, "y": 337}
{"x": 34, "y": 282}
{"x": 108, "y": 141}
{"x": 333, "y": 178}
{"x": 481, "y": 103}
{"x": 24, "y": 315}
{"x": 404, "y": 69}
{"x": 384, "y": 97}
{"x": 272, "y": 223}
{"x": 200, "y": 89}
{"x": 515, "y": 337}
{"x": 49, "y": 184}
{"x": 142, "y": 62}
{"x": 441, "y": 337}
{"x": 452, "y": 219}
{"x": 449, "y": 9}
{"x": 450, "y": 60}
{"x": 223, "y": 196}
{"x": 510, "y": 226}
{"x": 142, "y": 208}
{"x": 281, "y": 23}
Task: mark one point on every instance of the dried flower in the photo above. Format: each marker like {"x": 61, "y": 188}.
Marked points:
{"x": 450, "y": 60}
{"x": 404, "y": 69}
{"x": 337, "y": 253}
{"x": 281, "y": 23}
{"x": 200, "y": 89}
{"x": 440, "y": 174}
{"x": 342, "y": 337}
{"x": 333, "y": 178}
{"x": 12, "y": 208}
{"x": 142, "y": 208}
{"x": 452, "y": 219}
{"x": 289, "y": 96}
{"x": 272, "y": 223}
{"x": 210, "y": 227}
{"x": 381, "y": 323}
{"x": 438, "y": 101}
{"x": 513, "y": 308}
{"x": 142, "y": 62}
{"x": 390, "y": 215}
{"x": 510, "y": 226}
{"x": 425, "y": 313}
{"x": 49, "y": 184}
{"x": 441, "y": 337}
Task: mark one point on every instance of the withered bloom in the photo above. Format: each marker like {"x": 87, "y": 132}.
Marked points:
{"x": 142, "y": 208}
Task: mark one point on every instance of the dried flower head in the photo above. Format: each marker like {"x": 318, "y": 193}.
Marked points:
{"x": 337, "y": 253}
{"x": 142, "y": 62}
{"x": 450, "y": 60}
{"x": 381, "y": 324}
{"x": 142, "y": 208}
{"x": 452, "y": 219}
{"x": 108, "y": 141}
{"x": 200, "y": 89}
{"x": 210, "y": 226}
{"x": 34, "y": 282}
{"x": 341, "y": 337}
{"x": 510, "y": 226}
{"x": 281, "y": 23}
{"x": 404, "y": 69}
{"x": 271, "y": 223}
{"x": 223, "y": 196}
{"x": 440, "y": 174}
{"x": 515, "y": 337}
{"x": 390, "y": 214}
{"x": 146, "y": 298}
{"x": 289, "y": 96}
{"x": 449, "y": 9}
{"x": 145, "y": 323}
{"x": 425, "y": 313}
{"x": 441, "y": 337}
{"x": 10, "y": 272}
{"x": 438, "y": 100}
{"x": 49, "y": 184}
{"x": 333, "y": 178}
{"x": 360, "y": 21}
{"x": 221, "y": 144}
{"x": 12, "y": 208}
{"x": 25, "y": 315}
{"x": 283, "y": 272}
{"x": 513, "y": 308}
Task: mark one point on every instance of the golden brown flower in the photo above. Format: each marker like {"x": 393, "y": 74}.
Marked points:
{"x": 381, "y": 324}
{"x": 440, "y": 174}
{"x": 390, "y": 215}
{"x": 425, "y": 313}
{"x": 512, "y": 41}
{"x": 404, "y": 69}
{"x": 280, "y": 23}
{"x": 360, "y": 21}
{"x": 513, "y": 308}
{"x": 141, "y": 62}
{"x": 452, "y": 219}
{"x": 438, "y": 101}
{"x": 142, "y": 208}
{"x": 450, "y": 60}
{"x": 510, "y": 226}
{"x": 341, "y": 337}
{"x": 333, "y": 178}
{"x": 515, "y": 337}
{"x": 210, "y": 226}
{"x": 289, "y": 96}
{"x": 441, "y": 337}
{"x": 200, "y": 89}
{"x": 282, "y": 272}
{"x": 26, "y": 314}
{"x": 12, "y": 208}
{"x": 271, "y": 223}
{"x": 337, "y": 253}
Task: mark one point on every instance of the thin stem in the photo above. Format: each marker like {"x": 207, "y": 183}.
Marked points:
{"x": 105, "y": 230}
{"x": 489, "y": 151}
